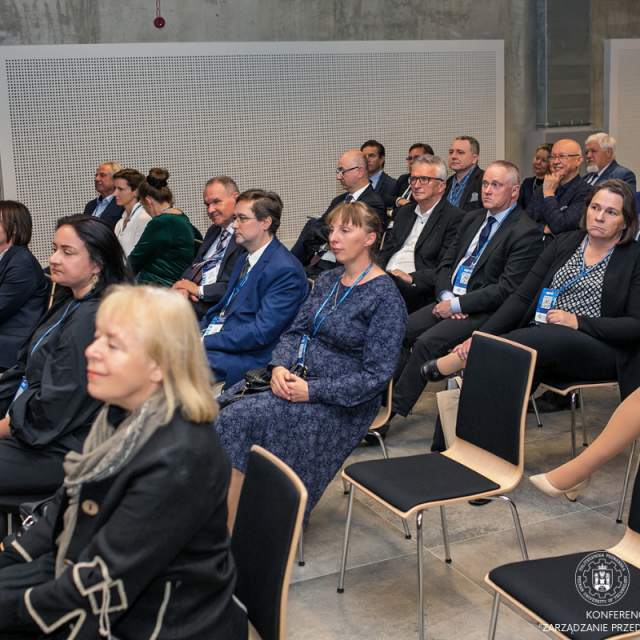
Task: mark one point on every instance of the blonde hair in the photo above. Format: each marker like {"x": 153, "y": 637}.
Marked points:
{"x": 166, "y": 325}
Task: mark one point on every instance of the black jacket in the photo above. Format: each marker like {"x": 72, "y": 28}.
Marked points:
{"x": 385, "y": 185}
{"x": 110, "y": 215}
{"x": 439, "y": 232}
{"x": 154, "y": 536}
{"x": 472, "y": 192}
{"x": 502, "y": 266}
{"x": 619, "y": 324}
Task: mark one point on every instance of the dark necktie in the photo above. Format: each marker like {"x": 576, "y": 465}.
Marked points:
{"x": 591, "y": 178}
{"x": 484, "y": 237}
{"x": 196, "y": 273}
{"x": 348, "y": 199}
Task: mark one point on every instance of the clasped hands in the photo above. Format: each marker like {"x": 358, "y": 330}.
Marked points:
{"x": 288, "y": 386}
{"x": 443, "y": 310}
{"x": 188, "y": 289}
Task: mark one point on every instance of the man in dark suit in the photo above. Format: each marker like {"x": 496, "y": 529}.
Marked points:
{"x": 600, "y": 149}
{"x": 421, "y": 234}
{"x": 493, "y": 252}
{"x": 464, "y": 187}
{"x": 104, "y": 206}
{"x": 401, "y": 194}
{"x": 266, "y": 290}
{"x": 206, "y": 280}
{"x": 312, "y": 246}
{"x": 558, "y": 205}
{"x": 381, "y": 182}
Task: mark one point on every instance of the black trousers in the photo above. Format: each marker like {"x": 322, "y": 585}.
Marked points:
{"x": 411, "y": 297}
{"x": 426, "y": 338}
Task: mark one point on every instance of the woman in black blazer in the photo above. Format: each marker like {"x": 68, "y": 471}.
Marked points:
{"x": 23, "y": 287}
{"x": 593, "y": 331}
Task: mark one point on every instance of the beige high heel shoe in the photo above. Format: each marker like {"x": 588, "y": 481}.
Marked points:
{"x": 541, "y": 483}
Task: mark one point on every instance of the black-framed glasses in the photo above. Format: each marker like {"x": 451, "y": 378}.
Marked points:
{"x": 341, "y": 172}
{"x": 242, "y": 219}
{"x": 424, "y": 180}
{"x": 563, "y": 156}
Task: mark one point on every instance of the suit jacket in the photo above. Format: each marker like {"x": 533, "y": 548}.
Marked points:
{"x": 619, "y": 324}
{"x": 386, "y": 184}
{"x": 502, "y": 266}
{"x": 435, "y": 238}
{"x": 262, "y": 311}
{"x": 563, "y": 213}
{"x": 472, "y": 192}
{"x": 402, "y": 184}
{"x": 614, "y": 170}
{"x": 213, "y": 292}
{"x": 315, "y": 233}
{"x": 23, "y": 295}
{"x": 110, "y": 215}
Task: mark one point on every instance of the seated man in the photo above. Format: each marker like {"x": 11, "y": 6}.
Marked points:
{"x": 421, "y": 233}
{"x": 464, "y": 187}
{"x": 380, "y": 181}
{"x": 558, "y": 205}
{"x": 206, "y": 280}
{"x": 493, "y": 252}
{"x": 600, "y": 149}
{"x": 401, "y": 194}
{"x": 104, "y": 206}
{"x": 265, "y": 292}
{"x": 312, "y": 246}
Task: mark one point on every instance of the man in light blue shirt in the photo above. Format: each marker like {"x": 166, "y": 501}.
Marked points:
{"x": 104, "y": 206}
{"x": 381, "y": 182}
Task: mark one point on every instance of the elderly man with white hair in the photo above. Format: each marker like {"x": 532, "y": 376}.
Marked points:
{"x": 600, "y": 149}
{"x": 104, "y": 206}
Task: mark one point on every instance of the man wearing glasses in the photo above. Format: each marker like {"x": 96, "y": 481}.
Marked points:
{"x": 401, "y": 194}
{"x": 422, "y": 233}
{"x": 558, "y": 205}
{"x": 312, "y": 248}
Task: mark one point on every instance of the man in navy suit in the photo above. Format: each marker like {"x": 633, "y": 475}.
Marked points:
{"x": 206, "y": 280}
{"x": 464, "y": 187}
{"x": 104, "y": 206}
{"x": 381, "y": 182}
{"x": 600, "y": 149}
{"x": 265, "y": 292}
{"x": 312, "y": 246}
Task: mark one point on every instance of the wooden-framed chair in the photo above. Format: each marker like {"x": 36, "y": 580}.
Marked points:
{"x": 265, "y": 535}
{"x": 486, "y": 459}
{"x": 546, "y": 589}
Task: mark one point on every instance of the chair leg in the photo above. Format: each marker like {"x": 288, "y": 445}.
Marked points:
{"x": 494, "y": 616}
{"x": 516, "y": 522}
{"x": 573, "y": 425}
{"x": 585, "y": 441}
{"x": 420, "y": 574}
{"x": 625, "y": 486}
{"x": 345, "y": 487}
{"x": 535, "y": 408}
{"x": 301, "y": 549}
{"x": 445, "y": 535}
{"x": 345, "y": 544}
{"x": 383, "y": 446}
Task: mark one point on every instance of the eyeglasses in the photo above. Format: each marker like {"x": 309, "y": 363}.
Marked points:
{"x": 563, "y": 156}
{"x": 424, "y": 180}
{"x": 242, "y": 219}
{"x": 412, "y": 158}
{"x": 341, "y": 172}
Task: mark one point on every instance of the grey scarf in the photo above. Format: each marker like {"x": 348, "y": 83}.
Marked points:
{"x": 106, "y": 451}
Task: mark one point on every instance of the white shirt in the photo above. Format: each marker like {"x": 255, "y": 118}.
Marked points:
{"x": 130, "y": 235}
{"x": 256, "y": 255}
{"x": 404, "y": 258}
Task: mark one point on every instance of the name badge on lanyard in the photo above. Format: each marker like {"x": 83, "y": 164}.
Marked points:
{"x": 216, "y": 325}
{"x": 209, "y": 274}
{"x": 546, "y": 302}
{"x": 21, "y": 389}
{"x": 462, "y": 279}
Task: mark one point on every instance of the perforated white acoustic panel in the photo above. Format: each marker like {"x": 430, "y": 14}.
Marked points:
{"x": 621, "y": 99}
{"x": 270, "y": 115}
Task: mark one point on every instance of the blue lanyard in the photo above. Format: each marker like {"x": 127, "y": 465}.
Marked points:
{"x": 48, "y": 331}
{"x": 231, "y": 297}
{"x": 459, "y": 188}
{"x": 583, "y": 269}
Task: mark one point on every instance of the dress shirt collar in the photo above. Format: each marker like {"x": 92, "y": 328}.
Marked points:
{"x": 256, "y": 255}
{"x": 375, "y": 178}
{"x": 356, "y": 195}
{"x": 426, "y": 214}
{"x": 500, "y": 216}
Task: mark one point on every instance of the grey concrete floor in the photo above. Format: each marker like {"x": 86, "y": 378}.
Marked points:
{"x": 380, "y": 598}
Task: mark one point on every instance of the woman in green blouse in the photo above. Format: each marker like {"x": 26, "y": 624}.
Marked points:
{"x": 166, "y": 246}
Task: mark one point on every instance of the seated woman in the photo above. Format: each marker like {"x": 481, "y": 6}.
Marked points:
{"x": 23, "y": 286}
{"x": 541, "y": 167}
{"x": 348, "y": 336}
{"x": 579, "y": 308}
{"x": 45, "y": 409}
{"x": 166, "y": 246}
{"x": 128, "y": 548}
{"x": 134, "y": 219}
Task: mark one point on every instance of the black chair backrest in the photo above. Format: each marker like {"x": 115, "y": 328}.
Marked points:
{"x": 634, "y": 509}
{"x": 496, "y": 388}
{"x": 269, "y": 515}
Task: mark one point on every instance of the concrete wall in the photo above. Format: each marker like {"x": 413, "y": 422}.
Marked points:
{"x": 90, "y": 21}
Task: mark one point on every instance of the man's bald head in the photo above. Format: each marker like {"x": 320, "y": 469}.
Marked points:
{"x": 566, "y": 158}
{"x": 353, "y": 170}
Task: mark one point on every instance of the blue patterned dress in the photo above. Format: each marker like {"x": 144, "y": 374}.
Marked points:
{"x": 350, "y": 362}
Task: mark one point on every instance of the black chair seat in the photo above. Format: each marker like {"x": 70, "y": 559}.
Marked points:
{"x": 407, "y": 482}
{"x": 564, "y": 384}
{"x": 547, "y": 587}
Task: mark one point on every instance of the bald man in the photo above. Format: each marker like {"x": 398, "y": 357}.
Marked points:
{"x": 558, "y": 206}
{"x": 311, "y": 248}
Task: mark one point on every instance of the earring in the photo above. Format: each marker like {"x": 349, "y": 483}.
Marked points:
{"x": 94, "y": 279}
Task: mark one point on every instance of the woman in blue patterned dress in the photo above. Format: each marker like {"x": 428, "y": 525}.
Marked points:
{"x": 350, "y": 329}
